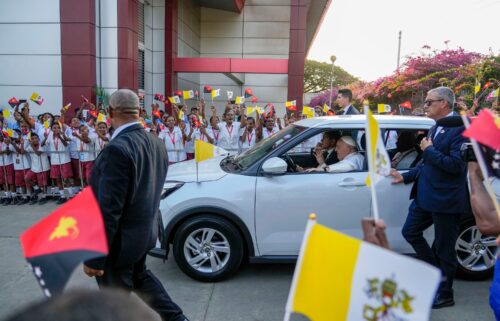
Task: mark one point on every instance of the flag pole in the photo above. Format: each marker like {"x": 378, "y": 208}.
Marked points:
{"x": 332, "y": 59}
{"x": 293, "y": 288}
{"x": 369, "y": 152}
{"x": 482, "y": 165}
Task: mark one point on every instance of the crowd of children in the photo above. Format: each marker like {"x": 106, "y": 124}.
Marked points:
{"x": 44, "y": 158}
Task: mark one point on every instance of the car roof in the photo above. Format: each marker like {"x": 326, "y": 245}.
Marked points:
{"x": 383, "y": 120}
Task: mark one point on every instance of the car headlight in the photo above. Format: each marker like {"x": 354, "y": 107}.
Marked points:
{"x": 169, "y": 187}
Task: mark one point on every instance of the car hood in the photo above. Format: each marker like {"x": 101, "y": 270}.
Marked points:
{"x": 208, "y": 170}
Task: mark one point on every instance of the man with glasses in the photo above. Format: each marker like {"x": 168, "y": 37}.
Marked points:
{"x": 439, "y": 193}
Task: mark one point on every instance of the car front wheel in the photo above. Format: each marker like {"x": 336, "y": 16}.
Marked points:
{"x": 476, "y": 253}
{"x": 208, "y": 248}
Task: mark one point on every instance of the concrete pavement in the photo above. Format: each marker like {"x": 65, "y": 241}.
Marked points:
{"x": 255, "y": 293}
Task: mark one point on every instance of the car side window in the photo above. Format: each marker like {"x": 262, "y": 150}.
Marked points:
{"x": 323, "y": 153}
{"x": 403, "y": 146}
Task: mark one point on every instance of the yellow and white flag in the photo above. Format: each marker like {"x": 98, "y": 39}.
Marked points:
{"x": 477, "y": 87}
{"x": 325, "y": 108}
{"x": 204, "y": 151}
{"x": 188, "y": 94}
{"x": 6, "y": 113}
{"x": 101, "y": 118}
{"x": 308, "y": 111}
{"x": 239, "y": 100}
{"x": 250, "y": 110}
{"x": 229, "y": 95}
{"x": 215, "y": 93}
{"x": 379, "y": 163}
{"x": 383, "y": 108}
{"x": 366, "y": 282}
{"x": 174, "y": 100}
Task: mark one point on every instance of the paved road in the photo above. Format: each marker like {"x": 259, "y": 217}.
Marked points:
{"x": 256, "y": 293}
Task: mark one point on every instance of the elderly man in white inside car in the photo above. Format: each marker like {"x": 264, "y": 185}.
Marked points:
{"x": 349, "y": 158}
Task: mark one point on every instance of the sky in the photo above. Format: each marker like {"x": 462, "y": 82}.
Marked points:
{"x": 363, "y": 34}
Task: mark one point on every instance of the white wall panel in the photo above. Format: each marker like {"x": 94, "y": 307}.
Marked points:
{"x": 109, "y": 17}
{"x": 109, "y": 73}
{"x": 29, "y": 11}
{"x": 30, "y": 70}
{"x": 159, "y": 61}
{"x": 32, "y": 39}
{"x": 109, "y": 42}
{"x": 158, "y": 83}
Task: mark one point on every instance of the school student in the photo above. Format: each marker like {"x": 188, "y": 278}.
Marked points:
{"x": 38, "y": 176}
{"x": 60, "y": 161}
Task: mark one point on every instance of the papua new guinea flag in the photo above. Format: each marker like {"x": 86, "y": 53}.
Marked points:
{"x": 54, "y": 246}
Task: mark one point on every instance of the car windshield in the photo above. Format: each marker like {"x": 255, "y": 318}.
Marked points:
{"x": 267, "y": 145}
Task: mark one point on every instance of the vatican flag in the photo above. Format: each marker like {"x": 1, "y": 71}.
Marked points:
{"x": 379, "y": 163}
{"x": 366, "y": 282}
{"x": 204, "y": 151}
{"x": 188, "y": 94}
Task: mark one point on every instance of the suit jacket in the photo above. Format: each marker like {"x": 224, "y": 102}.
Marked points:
{"x": 330, "y": 159}
{"x": 352, "y": 110}
{"x": 440, "y": 180}
{"x": 127, "y": 180}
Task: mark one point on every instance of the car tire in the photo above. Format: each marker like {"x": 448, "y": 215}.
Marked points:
{"x": 476, "y": 253}
{"x": 208, "y": 248}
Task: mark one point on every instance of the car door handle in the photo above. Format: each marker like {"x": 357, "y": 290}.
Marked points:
{"x": 351, "y": 184}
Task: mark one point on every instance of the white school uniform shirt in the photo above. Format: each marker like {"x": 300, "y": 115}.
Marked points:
{"x": 174, "y": 144}
{"x": 59, "y": 154}
{"x": 189, "y": 145}
{"x": 4, "y": 158}
{"x": 250, "y": 140}
{"x": 41, "y": 130}
{"x": 197, "y": 134}
{"x": 21, "y": 161}
{"x": 86, "y": 151}
{"x": 266, "y": 133}
{"x": 39, "y": 163}
{"x": 74, "y": 144}
{"x": 100, "y": 144}
{"x": 229, "y": 136}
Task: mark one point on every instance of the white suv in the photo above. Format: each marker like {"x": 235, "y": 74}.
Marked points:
{"x": 255, "y": 205}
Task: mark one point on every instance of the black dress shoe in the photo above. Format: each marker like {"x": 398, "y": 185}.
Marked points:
{"x": 443, "y": 301}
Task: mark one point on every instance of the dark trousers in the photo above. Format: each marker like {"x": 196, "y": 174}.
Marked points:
{"x": 137, "y": 278}
{"x": 442, "y": 253}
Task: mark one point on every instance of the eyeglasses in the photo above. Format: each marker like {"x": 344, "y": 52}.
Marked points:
{"x": 430, "y": 101}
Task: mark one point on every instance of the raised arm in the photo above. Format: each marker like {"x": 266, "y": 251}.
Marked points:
{"x": 214, "y": 118}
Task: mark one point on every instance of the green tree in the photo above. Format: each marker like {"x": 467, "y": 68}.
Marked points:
{"x": 317, "y": 76}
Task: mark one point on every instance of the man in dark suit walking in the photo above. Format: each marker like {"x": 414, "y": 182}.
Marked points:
{"x": 127, "y": 180}
{"x": 439, "y": 193}
{"x": 344, "y": 99}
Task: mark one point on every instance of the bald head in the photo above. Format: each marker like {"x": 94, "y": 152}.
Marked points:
{"x": 124, "y": 101}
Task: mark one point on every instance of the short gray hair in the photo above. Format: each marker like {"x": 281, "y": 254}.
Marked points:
{"x": 446, "y": 94}
{"x": 125, "y": 100}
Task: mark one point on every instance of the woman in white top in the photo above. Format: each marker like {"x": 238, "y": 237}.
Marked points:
{"x": 203, "y": 133}
{"x": 102, "y": 138}
{"x": 229, "y": 130}
{"x": 268, "y": 129}
{"x": 86, "y": 153}
{"x": 174, "y": 139}
{"x": 249, "y": 136}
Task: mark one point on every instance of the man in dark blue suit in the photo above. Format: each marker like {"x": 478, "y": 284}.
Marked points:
{"x": 344, "y": 98}
{"x": 439, "y": 193}
{"x": 127, "y": 180}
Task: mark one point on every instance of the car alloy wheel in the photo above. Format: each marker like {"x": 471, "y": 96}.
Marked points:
{"x": 207, "y": 250}
{"x": 475, "y": 252}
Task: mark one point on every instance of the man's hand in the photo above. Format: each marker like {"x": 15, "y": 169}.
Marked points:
{"x": 398, "y": 178}
{"x": 426, "y": 142}
{"x": 374, "y": 232}
{"x": 92, "y": 272}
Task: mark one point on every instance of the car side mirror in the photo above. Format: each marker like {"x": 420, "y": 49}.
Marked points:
{"x": 274, "y": 166}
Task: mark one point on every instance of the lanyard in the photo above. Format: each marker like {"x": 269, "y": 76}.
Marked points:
{"x": 269, "y": 132}
{"x": 202, "y": 136}
{"x": 216, "y": 135}
{"x": 81, "y": 145}
{"x": 101, "y": 143}
{"x": 249, "y": 137}
{"x": 172, "y": 137}
{"x": 230, "y": 132}
{"x": 56, "y": 143}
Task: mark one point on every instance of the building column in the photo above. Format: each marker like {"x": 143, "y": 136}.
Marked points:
{"x": 78, "y": 51}
{"x": 170, "y": 48}
{"x": 127, "y": 44}
{"x": 297, "y": 56}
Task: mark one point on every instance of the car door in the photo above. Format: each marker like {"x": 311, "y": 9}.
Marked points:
{"x": 394, "y": 201}
{"x": 283, "y": 204}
